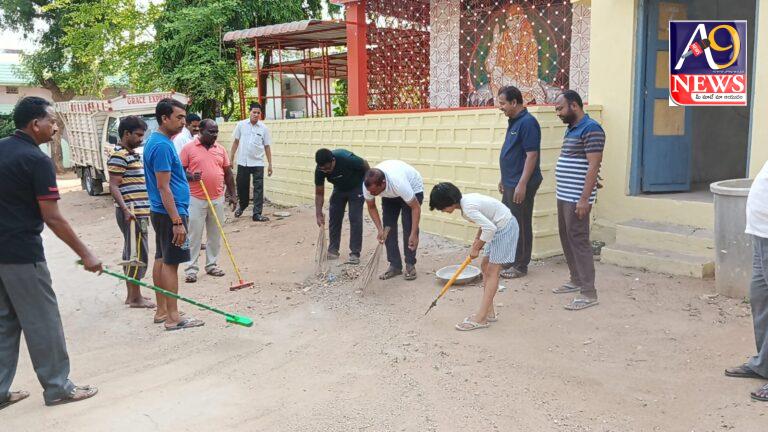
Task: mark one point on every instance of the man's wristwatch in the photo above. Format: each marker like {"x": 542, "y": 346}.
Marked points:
{"x": 177, "y": 221}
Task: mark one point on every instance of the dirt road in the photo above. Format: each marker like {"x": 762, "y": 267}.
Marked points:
{"x": 324, "y": 358}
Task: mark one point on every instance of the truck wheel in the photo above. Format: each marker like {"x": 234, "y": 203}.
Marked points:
{"x": 83, "y": 183}
{"x": 92, "y": 185}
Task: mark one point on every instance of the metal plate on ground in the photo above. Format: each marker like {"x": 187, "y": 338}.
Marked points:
{"x": 469, "y": 275}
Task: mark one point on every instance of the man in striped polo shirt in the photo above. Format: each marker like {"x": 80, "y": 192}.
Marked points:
{"x": 128, "y": 188}
{"x": 576, "y": 173}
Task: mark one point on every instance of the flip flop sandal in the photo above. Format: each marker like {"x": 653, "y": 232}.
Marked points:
{"x": 566, "y": 288}
{"x": 190, "y": 278}
{"x": 21, "y": 394}
{"x": 216, "y": 272}
{"x": 742, "y": 371}
{"x": 185, "y": 324}
{"x": 491, "y": 319}
{"x": 469, "y": 325}
{"x": 580, "y": 304}
{"x": 162, "y": 320}
{"x": 410, "y": 274}
{"x": 390, "y": 273}
{"x": 756, "y": 395}
{"x": 89, "y": 392}
{"x": 512, "y": 273}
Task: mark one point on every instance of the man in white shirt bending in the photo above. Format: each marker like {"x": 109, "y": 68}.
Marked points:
{"x": 401, "y": 189}
{"x": 252, "y": 138}
{"x": 757, "y": 226}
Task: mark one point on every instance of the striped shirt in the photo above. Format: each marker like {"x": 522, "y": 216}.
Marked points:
{"x": 133, "y": 187}
{"x": 571, "y": 171}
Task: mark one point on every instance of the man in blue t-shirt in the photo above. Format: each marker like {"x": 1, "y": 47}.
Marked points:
{"x": 520, "y": 173}
{"x": 168, "y": 192}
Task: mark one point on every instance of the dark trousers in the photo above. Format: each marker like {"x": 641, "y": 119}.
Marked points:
{"x": 574, "y": 237}
{"x": 391, "y": 209}
{"x": 28, "y": 304}
{"x": 339, "y": 201}
{"x": 243, "y": 181}
{"x": 758, "y": 299}
{"x": 523, "y": 212}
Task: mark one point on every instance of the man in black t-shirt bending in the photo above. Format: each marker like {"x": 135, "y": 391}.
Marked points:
{"x": 345, "y": 171}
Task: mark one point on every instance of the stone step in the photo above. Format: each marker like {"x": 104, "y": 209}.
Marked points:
{"x": 684, "y": 239}
{"x": 659, "y": 261}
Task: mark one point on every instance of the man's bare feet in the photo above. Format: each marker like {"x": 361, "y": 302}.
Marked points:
{"x": 142, "y": 302}
{"x": 128, "y": 299}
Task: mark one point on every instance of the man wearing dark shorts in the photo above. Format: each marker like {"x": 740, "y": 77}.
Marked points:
{"x": 129, "y": 190}
{"x": 345, "y": 171}
{"x": 28, "y": 198}
{"x": 168, "y": 192}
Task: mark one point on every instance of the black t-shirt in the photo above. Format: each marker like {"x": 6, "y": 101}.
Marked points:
{"x": 348, "y": 173}
{"x": 27, "y": 175}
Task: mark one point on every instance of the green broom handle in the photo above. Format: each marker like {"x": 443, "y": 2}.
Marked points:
{"x": 235, "y": 319}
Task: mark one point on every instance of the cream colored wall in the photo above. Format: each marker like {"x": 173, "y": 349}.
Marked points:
{"x": 11, "y": 99}
{"x": 457, "y": 146}
{"x": 612, "y": 72}
{"x": 759, "y": 141}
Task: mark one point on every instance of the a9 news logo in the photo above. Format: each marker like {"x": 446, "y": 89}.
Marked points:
{"x": 708, "y": 63}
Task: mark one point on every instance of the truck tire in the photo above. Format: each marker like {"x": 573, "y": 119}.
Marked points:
{"x": 93, "y": 186}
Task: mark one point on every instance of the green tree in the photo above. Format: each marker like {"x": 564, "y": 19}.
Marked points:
{"x": 6, "y": 125}
{"x": 189, "y": 52}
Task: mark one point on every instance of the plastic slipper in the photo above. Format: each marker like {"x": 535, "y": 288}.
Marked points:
{"x": 390, "y": 273}
{"x": 185, "y": 324}
{"x": 742, "y": 371}
{"x": 490, "y": 318}
{"x": 190, "y": 278}
{"x": 162, "y": 320}
{"x": 21, "y": 396}
{"x": 78, "y": 394}
{"x": 566, "y": 288}
{"x": 410, "y": 273}
{"x": 469, "y": 325}
{"x": 581, "y": 303}
{"x": 216, "y": 272}
{"x": 512, "y": 273}
{"x": 760, "y": 394}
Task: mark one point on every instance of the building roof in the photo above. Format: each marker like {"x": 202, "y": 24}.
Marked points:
{"x": 294, "y": 35}
{"x": 10, "y": 76}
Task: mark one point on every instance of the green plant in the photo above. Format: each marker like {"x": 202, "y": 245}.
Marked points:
{"x": 341, "y": 98}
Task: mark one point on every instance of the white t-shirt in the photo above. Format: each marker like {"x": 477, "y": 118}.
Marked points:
{"x": 253, "y": 140}
{"x": 403, "y": 181}
{"x": 485, "y": 211}
{"x": 757, "y": 205}
{"x": 181, "y": 139}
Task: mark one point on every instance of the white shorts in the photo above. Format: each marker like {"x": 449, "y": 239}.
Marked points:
{"x": 503, "y": 246}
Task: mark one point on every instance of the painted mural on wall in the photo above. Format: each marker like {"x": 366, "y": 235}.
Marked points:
{"x": 523, "y": 43}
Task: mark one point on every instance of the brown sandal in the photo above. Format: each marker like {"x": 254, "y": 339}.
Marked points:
{"x": 410, "y": 273}
{"x": 390, "y": 273}
{"x": 77, "y": 394}
{"x": 19, "y": 396}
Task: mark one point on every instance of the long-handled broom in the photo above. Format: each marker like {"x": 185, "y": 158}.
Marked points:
{"x": 366, "y": 276}
{"x": 241, "y": 284}
{"x": 231, "y": 318}
{"x": 449, "y": 283}
{"x": 321, "y": 254}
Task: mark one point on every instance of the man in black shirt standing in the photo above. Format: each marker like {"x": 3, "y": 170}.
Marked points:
{"x": 345, "y": 171}
{"x": 28, "y": 198}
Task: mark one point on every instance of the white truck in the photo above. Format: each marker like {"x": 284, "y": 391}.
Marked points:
{"x": 91, "y": 130}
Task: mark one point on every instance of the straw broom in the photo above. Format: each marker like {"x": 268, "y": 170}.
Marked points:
{"x": 366, "y": 276}
{"x": 321, "y": 254}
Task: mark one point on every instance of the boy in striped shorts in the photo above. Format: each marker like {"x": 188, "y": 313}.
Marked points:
{"x": 497, "y": 235}
{"x": 129, "y": 190}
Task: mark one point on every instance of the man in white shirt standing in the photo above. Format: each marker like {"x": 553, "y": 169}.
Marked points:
{"x": 256, "y": 141}
{"x": 402, "y": 191}
{"x": 188, "y": 133}
{"x": 757, "y": 226}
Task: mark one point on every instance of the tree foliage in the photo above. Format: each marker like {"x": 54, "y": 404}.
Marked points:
{"x": 189, "y": 52}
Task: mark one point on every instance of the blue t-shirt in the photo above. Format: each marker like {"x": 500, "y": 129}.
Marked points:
{"x": 523, "y": 135}
{"x": 160, "y": 156}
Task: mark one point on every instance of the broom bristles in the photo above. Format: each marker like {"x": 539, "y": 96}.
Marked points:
{"x": 366, "y": 276}
{"x": 321, "y": 255}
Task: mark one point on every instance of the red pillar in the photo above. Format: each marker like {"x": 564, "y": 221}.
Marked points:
{"x": 357, "y": 58}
